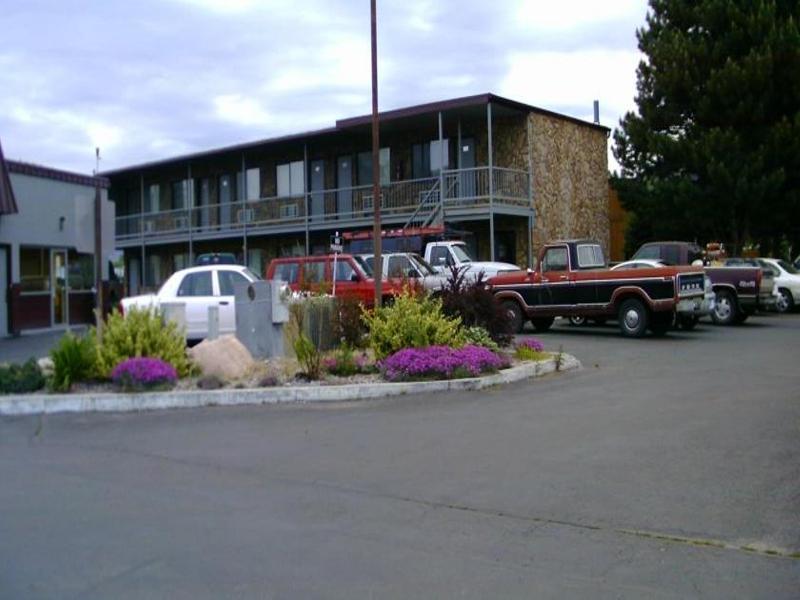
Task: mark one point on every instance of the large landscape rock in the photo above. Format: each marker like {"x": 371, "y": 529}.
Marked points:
{"x": 226, "y": 357}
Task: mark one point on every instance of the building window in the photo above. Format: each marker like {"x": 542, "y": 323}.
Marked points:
{"x": 291, "y": 181}
{"x": 179, "y": 194}
{"x": 365, "y": 167}
{"x": 152, "y": 198}
{"x": 81, "y": 271}
{"x": 34, "y": 266}
{"x": 253, "y": 184}
{"x": 427, "y": 159}
{"x": 420, "y": 161}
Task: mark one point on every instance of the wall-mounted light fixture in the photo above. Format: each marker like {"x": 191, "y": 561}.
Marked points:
{"x": 61, "y": 221}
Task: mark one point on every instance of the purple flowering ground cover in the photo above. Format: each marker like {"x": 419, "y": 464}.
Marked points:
{"x": 441, "y": 362}
{"x": 531, "y": 344}
{"x": 144, "y": 373}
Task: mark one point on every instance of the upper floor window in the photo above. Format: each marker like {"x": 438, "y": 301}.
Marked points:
{"x": 152, "y": 202}
{"x": 291, "y": 181}
{"x": 253, "y": 184}
{"x": 365, "y": 167}
{"x": 181, "y": 193}
{"x": 429, "y": 158}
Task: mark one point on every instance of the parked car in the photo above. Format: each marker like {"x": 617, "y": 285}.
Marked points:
{"x": 737, "y": 289}
{"x": 198, "y": 288}
{"x": 787, "y": 283}
{"x": 216, "y": 258}
{"x": 571, "y": 279}
{"x": 443, "y": 255}
{"x": 643, "y": 263}
{"x": 411, "y": 266}
{"x": 352, "y": 275}
{"x": 768, "y": 290}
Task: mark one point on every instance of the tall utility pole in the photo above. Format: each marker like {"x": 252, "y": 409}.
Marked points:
{"x": 98, "y": 244}
{"x": 376, "y": 167}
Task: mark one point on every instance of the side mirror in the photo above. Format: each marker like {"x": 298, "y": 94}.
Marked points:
{"x": 412, "y": 274}
{"x": 354, "y": 277}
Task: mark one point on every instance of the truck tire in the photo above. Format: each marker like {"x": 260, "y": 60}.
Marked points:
{"x": 633, "y": 318}
{"x": 516, "y": 318}
{"x": 725, "y": 308}
{"x": 542, "y": 324}
{"x": 785, "y": 303}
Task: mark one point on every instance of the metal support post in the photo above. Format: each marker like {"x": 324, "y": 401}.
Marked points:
{"x": 243, "y": 197}
{"x": 491, "y": 178}
{"x": 530, "y": 194}
{"x": 142, "y": 274}
{"x": 307, "y": 196}
{"x": 190, "y": 209}
{"x": 441, "y": 166}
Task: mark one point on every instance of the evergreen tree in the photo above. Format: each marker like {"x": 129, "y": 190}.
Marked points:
{"x": 714, "y": 151}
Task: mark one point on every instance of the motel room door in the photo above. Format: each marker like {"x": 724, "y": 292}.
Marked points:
{"x": 317, "y": 185}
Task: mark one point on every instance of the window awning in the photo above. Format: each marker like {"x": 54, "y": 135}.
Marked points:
{"x": 8, "y": 205}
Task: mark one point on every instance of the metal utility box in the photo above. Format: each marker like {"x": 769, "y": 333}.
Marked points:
{"x": 260, "y": 316}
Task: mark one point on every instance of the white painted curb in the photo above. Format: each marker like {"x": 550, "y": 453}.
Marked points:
{"x": 34, "y": 404}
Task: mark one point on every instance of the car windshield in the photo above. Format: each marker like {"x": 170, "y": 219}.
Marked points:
{"x": 787, "y": 267}
{"x": 422, "y": 264}
{"x": 363, "y": 265}
{"x": 461, "y": 254}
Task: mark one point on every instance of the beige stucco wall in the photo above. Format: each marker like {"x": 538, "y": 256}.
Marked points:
{"x": 570, "y": 180}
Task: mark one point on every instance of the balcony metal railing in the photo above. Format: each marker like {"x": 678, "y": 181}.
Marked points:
{"x": 412, "y": 200}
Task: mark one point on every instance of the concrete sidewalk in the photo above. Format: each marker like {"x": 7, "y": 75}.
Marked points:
{"x": 31, "y": 345}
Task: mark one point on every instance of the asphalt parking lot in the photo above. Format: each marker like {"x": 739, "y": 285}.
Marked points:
{"x": 666, "y": 468}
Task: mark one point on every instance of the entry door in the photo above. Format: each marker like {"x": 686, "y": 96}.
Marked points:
{"x": 467, "y": 180}
{"x": 556, "y": 289}
{"x": 344, "y": 179}
{"x": 3, "y": 293}
{"x": 226, "y": 282}
{"x": 317, "y": 185}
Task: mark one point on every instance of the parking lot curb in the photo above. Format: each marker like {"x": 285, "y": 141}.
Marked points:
{"x": 34, "y": 404}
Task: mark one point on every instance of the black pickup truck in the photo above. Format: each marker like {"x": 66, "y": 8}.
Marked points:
{"x": 739, "y": 292}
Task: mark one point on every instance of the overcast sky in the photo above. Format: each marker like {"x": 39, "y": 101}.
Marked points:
{"x": 149, "y": 79}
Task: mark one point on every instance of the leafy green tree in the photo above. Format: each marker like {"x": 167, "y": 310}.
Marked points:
{"x": 713, "y": 152}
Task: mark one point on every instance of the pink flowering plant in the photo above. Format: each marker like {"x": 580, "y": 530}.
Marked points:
{"x": 441, "y": 362}
{"x": 529, "y": 349}
{"x": 144, "y": 373}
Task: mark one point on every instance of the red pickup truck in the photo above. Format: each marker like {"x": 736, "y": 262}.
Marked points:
{"x": 352, "y": 275}
{"x": 571, "y": 279}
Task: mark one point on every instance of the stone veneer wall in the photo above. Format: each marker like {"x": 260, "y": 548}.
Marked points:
{"x": 570, "y": 181}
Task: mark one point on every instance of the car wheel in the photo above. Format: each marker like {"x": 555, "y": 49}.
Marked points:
{"x": 785, "y": 302}
{"x": 542, "y": 323}
{"x": 516, "y": 320}
{"x": 725, "y": 309}
{"x": 661, "y": 322}
{"x": 687, "y": 323}
{"x": 633, "y": 318}
{"x": 577, "y": 321}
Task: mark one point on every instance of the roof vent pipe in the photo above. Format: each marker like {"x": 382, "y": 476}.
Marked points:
{"x": 597, "y": 111}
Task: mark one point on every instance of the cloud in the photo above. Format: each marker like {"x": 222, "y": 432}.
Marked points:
{"x": 152, "y": 79}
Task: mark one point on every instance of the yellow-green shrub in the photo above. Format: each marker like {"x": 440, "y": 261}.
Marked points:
{"x": 74, "y": 359}
{"x": 411, "y": 321}
{"x": 141, "y": 332}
